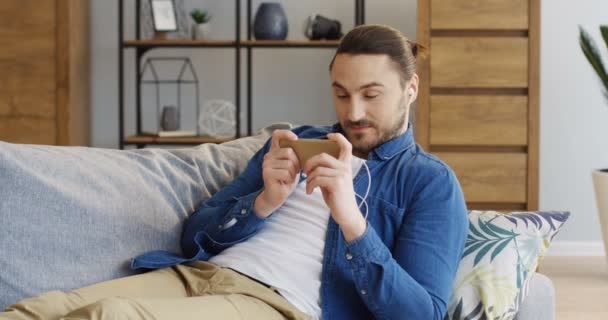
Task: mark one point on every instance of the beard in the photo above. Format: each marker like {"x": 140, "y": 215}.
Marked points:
{"x": 363, "y": 146}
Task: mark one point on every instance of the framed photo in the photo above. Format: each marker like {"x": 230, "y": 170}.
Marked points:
{"x": 164, "y": 15}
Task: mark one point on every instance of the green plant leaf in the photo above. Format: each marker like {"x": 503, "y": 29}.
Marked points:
{"x": 200, "y": 16}
{"x": 499, "y": 248}
{"x": 484, "y": 227}
{"x": 473, "y": 248}
{"x": 591, "y": 53}
{"x": 500, "y": 230}
{"x": 483, "y": 251}
{"x": 475, "y": 232}
{"x": 604, "y": 32}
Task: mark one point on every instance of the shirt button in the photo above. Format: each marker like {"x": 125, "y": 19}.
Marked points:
{"x": 244, "y": 211}
{"x": 363, "y": 292}
{"x": 303, "y": 175}
{"x": 349, "y": 256}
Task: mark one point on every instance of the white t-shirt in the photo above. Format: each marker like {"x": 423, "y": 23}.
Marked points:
{"x": 287, "y": 253}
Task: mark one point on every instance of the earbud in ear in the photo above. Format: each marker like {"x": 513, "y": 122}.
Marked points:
{"x": 411, "y": 91}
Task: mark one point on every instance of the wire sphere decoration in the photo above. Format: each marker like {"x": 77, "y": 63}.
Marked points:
{"x": 217, "y": 119}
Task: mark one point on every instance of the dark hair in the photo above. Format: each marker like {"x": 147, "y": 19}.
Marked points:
{"x": 383, "y": 40}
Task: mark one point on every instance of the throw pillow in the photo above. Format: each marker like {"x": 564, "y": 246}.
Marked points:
{"x": 501, "y": 254}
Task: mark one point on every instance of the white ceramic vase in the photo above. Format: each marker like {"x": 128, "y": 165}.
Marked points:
{"x": 600, "y": 182}
{"x": 201, "y": 31}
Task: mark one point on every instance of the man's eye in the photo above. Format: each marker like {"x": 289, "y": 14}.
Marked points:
{"x": 341, "y": 96}
{"x": 371, "y": 96}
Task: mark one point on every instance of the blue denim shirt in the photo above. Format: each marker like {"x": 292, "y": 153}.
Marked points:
{"x": 402, "y": 267}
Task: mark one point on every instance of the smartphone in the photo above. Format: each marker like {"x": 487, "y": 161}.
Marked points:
{"x": 308, "y": 148}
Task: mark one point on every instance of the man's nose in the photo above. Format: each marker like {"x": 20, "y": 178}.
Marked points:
{"x": 356, "y": 110}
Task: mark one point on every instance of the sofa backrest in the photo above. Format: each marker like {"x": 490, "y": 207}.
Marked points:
{"x": 74, "y": 216}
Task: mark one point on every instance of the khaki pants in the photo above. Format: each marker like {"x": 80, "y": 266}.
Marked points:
{"x": 198, "y": 290}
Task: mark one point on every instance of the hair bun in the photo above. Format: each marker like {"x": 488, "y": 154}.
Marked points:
{"x": 418, "y": 50}
{"x": 414, "y": 49}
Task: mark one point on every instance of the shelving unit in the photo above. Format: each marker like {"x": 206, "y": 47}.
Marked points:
{"x": 141, "y": 47}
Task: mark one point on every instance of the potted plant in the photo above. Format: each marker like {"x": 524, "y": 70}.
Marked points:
{"x": 600, "y": 176}
{"x": 200, "y": 28}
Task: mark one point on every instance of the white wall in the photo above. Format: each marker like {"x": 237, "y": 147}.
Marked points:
{"x": 574, "y": 116}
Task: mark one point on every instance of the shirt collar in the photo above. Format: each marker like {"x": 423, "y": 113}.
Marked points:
{"x": 390, "y": 148}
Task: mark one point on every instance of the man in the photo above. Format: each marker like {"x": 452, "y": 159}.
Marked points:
{"x": 290, "y": 241}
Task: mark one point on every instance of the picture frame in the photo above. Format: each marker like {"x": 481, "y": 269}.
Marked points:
{"x": 164, "y": 15}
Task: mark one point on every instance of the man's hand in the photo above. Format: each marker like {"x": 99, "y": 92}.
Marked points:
{"x": 280, "y": 171}
{"x": 335, "y": 178}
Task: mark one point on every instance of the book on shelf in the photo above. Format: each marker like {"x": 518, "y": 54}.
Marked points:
{"x": 172, "y": 133}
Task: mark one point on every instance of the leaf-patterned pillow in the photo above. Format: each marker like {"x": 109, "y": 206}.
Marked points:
{"x": 501, "y": 253}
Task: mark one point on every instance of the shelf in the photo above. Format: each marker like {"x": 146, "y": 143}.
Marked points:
{"x": 179, "y": 43}
{"x": 291, "y": 43}
{"x": 231, "y": 44}
{"x": 142, "y": 140}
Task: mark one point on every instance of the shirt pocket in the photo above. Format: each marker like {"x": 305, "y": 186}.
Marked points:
{"x": 385, "y": 217}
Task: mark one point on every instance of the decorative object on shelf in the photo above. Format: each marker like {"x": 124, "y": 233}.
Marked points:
{"x": 201, "y": 27}
{"x": 600, "y": 176}
{"x": 169, "y": 120}
{"x": 164, "y": 17}
{"x": 317, "y": 27}
{"x": 217, "y": 119}
{"x": 176, "y": 78}
{"x": 270, "y": 22}
{"x": 148, "y": 25}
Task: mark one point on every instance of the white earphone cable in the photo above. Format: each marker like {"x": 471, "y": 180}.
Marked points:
{"x": 369, "y": 185}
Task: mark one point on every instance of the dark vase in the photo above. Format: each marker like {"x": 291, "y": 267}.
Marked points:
{"x": 270, "y": 22}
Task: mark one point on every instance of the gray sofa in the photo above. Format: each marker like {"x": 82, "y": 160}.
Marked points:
{"x": 73, "y": 216}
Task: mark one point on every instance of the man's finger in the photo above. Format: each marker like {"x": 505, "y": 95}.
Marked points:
{"x": 346, "y": 149}
{"x": 322, "y": 159}
{"x": 285, "y": 164}
{"x": 278, "y": 135}
{"x": 282, "y": 175}
{"x": 321, "y": 182}
{"x": 286, "y": 153}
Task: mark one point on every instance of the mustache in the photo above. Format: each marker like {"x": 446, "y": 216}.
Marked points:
{"x": 360, "y": 123}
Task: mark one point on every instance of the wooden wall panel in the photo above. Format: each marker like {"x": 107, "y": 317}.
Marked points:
{"x": 479, "y": 62}
{"x": 32, "y": 86}
{"x": 27, "y": 130}
{"x": 28, "y": 63}
{"x": 423, "y": 36}
{"x": 534, "y": 105}
{"x": 479, "y": 14}
{"x": 44, "y": 64}
{"x": 479, "y": 120}
{"x": 5, "y": 98}
{"x": 478, "y": 108}
{"x": 490, "y": 177}
{"x": 73, "y": 121}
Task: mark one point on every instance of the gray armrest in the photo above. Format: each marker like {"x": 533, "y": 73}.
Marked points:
{"x": 540, "y": 302}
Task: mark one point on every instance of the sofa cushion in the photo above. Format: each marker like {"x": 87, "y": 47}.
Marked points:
{"x": 540, "y": 302}
{"x": 501, "y": 255}
{"x": 73, "y": 216}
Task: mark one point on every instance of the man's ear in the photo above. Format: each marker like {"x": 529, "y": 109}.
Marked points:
{"x": 412, "y": 88}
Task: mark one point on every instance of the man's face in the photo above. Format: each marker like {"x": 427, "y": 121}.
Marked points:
{"x": 371, "y": 104}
